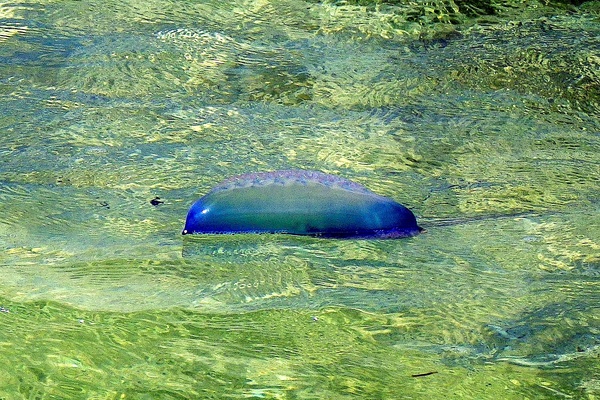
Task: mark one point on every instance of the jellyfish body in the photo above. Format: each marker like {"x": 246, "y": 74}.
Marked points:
{"x": 301, "y": 203}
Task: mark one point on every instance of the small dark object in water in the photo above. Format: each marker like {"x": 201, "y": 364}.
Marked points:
{"x": 156, "y": 201}
{"x": 423, "y": 374}
{"x": 299, "y": 202}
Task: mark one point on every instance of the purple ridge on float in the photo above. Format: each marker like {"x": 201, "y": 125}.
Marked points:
{"x": 299, "y": 202}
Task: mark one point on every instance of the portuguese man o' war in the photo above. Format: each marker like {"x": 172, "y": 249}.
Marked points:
{"x": 299, "y": 202}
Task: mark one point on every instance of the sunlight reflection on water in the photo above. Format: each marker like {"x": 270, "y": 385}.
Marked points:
{"x": 488, "y": 134}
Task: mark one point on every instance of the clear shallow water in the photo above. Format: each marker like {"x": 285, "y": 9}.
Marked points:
{"x": 489, "y": 133}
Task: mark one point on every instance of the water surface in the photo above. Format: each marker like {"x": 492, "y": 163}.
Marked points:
{"x": 484, "y": 123}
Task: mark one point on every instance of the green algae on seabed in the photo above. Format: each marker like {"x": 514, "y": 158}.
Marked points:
{"x": 481, "y": 116}
{"x": 334, "y": 353}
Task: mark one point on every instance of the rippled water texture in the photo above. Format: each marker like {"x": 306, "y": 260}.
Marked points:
{"x": 482, "y": 119}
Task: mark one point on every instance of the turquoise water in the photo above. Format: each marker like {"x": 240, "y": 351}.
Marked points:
{"x": 482, "y": 120}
